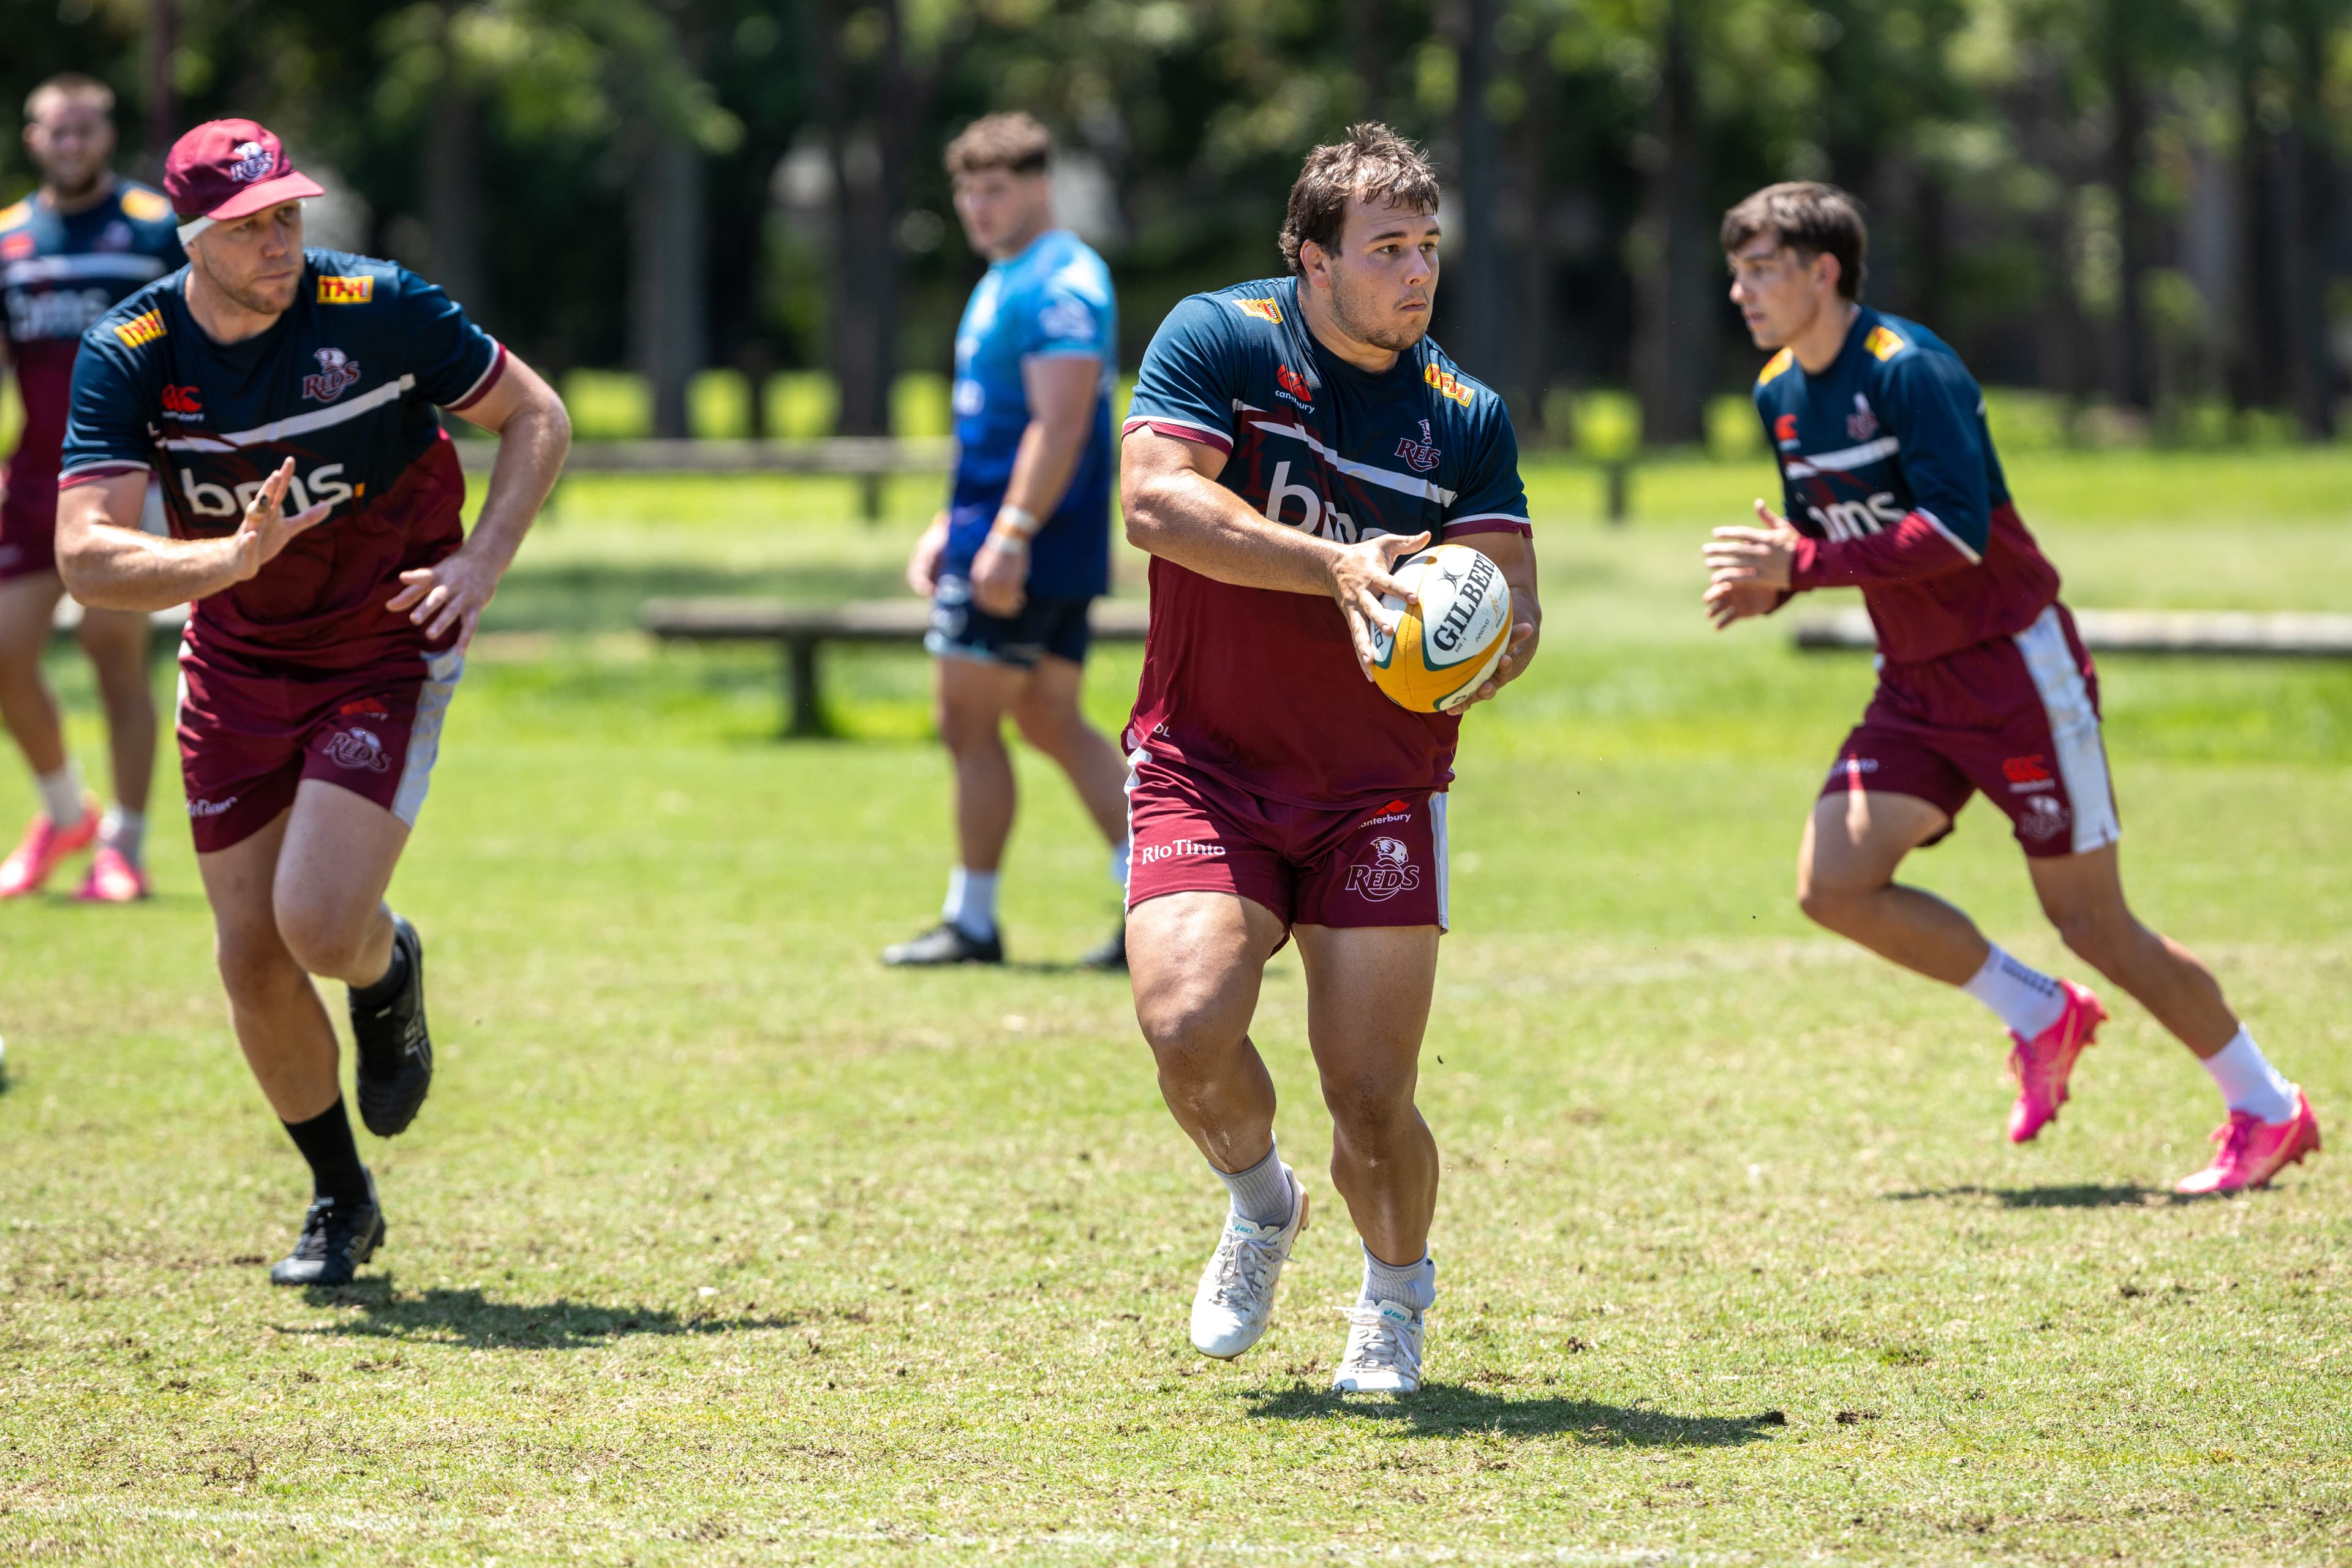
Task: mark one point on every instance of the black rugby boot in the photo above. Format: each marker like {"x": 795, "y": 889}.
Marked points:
{"x": 395, "y": 1067}
{"x": 943, "y": 943}
{"x": 336, "y": 1239}
{"x": 1111, "y": 954}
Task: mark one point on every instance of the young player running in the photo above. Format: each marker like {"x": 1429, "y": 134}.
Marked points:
{"x": 1024, "y": 545}
{"x": 70, "y": 253}
{"x": 1891, "y": 486}
{"x": 1290, "y": 440}
{"x": 287, "y": 397}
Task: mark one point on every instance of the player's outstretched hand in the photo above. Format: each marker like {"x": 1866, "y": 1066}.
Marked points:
{"x": 1359, "y": 580}
{"x": 452, "y": 592}
{"x": 1515, "y": 660}
{"x": 267, "y": 529}
{"x": 1729, "y": 600}
{"x": 1767, "y": 554}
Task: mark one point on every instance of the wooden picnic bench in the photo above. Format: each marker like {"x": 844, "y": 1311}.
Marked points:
{"x": 2290, "y": 634}
{"x": 870, "y": 460}
{"x": 801, "y": 629}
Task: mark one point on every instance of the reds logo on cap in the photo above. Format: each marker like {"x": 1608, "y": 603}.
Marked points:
{"x": 225, "y": 170}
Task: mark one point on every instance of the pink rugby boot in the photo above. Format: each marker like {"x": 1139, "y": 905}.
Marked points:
{"x": 112, "y": 879}
{"x": 42, "y": 848}
{"x": 2044, "y": 1063}
{"x": 2252, "y": 1150}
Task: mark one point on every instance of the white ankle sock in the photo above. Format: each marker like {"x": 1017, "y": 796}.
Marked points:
{"x": 61, "y": 793}
{"x": 1119, "y": 863}
{"x": 971, "y": 903}
{"x": 2019, "y": 995}
{"x": 2248, "y": 1081}
{"x": 1414, "y": 1285}
{"x": 125, "y": 832}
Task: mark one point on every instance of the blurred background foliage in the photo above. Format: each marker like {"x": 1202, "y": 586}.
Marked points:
{"x": 2131, "y": 211}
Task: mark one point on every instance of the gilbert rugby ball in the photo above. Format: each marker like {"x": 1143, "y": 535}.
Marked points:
{"x": 1447, "y": 645}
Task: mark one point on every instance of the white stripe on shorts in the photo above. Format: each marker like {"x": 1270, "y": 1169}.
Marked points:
{"x": 2074, "y": 730}
{"x": 1437, "y": 838}
{"x": 441, "y": 673}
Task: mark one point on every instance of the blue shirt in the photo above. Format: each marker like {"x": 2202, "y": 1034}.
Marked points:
{"x": 1054, "y": 299}
{"x": 1261, "y": 687}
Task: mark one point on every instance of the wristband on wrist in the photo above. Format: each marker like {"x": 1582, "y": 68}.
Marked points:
{"x": 1012, "y": 520}
{"x": 1010, "y": 541}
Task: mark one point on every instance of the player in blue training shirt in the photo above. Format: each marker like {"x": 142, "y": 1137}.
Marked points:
{"x": 1891, "y": 486}
{"x": 287, "y": 399}
{"x": 1024, "y": 545}
{"x": 68, "y": 253}
{"x": 1289, "y": 440}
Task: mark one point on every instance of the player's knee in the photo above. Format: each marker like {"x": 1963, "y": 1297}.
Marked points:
{"x": 966, "y": 730}
{"x": 1825, "y": 905}
{"x": 2100, "y": 938}
{"x": 1189, "y": 1035}
{"x": 1368, "y": 1104}
{"x": 323, "y": 940}
{"x": 254, "y": 965}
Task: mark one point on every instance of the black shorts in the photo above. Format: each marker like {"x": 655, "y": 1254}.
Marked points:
{"x": 1042, "y": 626}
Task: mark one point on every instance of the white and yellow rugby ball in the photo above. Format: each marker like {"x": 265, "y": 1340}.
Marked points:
{"x": 1447, "y": 645}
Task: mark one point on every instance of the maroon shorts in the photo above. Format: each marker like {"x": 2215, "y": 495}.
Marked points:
{"x": 2016, "y": 718}
{"x": 28, "y": 529}
{"x": 1378, "y": 865}
{"x": 249, "y": 736}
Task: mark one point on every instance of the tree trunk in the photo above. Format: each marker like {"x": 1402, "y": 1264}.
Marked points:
{"x": 1478, "y": 294}
{"x": 2307, "y": 179}
{"x": 668, "y": 318}
{"x": 2127, "y": 107}
{"x": 868, "y": 108}
{"x": 1532, "y": 333}
{"x": 2253, "y": 361}
{"x": 162, "y": 98}
{"x": 452, "y": 198}
{"x": 1367, "y": 51}
{"x": 1674, "y": 343}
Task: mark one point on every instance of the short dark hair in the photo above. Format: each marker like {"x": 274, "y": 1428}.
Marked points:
{"x": 70, "y": 84}
{"x": 1010, "y": 142}
{"x": 1811, "y": 219}
{"x": 1373, "y": 162}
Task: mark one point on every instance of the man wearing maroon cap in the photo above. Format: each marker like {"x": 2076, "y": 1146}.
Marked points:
{"x": 68, "y": 253}
{"x": 327, "y": 635}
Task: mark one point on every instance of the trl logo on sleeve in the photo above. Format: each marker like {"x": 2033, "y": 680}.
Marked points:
{"x": 1420, "y": 456}
{"x": 336, "y": 372}
{"x": 1446, "y": 385}
{"x": 345, "y": 291}
{"x": 1391, "y": 872}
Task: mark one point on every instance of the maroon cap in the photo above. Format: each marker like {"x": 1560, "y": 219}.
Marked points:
{"x": 227, "y": 169}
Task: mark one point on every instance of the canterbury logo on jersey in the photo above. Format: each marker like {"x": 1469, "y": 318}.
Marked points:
{"x": 345, "y": 291}
{"x": 322, "y": 486}
{"x": 140, "y": 330}
{"x": 1446, "y": 385}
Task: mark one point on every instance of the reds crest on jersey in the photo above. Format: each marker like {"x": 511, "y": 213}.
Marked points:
{"x": 1420, "y": 456}
{"x": 1391, "y": 872}
{"x": 337, "y": 371}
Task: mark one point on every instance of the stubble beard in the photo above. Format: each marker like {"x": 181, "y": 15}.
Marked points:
{"x": 1383, "y": 335}
{"x": 248, "y": 299}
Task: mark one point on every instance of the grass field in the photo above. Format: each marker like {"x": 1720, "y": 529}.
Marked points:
{"x": 718, "y": 1244}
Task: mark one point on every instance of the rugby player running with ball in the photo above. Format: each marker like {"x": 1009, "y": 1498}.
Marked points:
{"x": 1892, "y": 487}
{"x": 1290, "y": 440}
{"x": 287, "y": 398}
{"x": 70, "y": 253}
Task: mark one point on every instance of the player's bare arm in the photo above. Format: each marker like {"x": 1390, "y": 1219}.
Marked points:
{"x": 1062, "y": 389}
{"x": 108, "y": 563}
{"x": 1515, "y": 553}
{"x": 534, "y": 433}
{"x": 1749, "y": 569}
{"x": 1176, "y": 509}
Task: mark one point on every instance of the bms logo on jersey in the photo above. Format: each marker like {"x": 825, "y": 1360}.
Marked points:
{"x": 319, "y": 487}
{"x": 1845, "y": 520}
{"x": 60, "y": 313}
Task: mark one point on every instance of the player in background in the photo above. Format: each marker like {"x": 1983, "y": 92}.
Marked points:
{"x": 1023, "y": 546}
{"x": 68, "y": 253}
{"x": 1290, "y": 440}
{"x": 1891, "y": 486}
{"x": 287, "y": 397}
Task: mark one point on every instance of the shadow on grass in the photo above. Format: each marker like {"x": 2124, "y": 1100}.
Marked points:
{"x": 467, "y": 1317}
{"x": 1451, "y": 1410}
{"x": 2062, "y": 1196}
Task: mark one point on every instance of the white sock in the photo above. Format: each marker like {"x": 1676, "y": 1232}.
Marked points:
{"x": 1414, "y": 1285}
{"x": 1119, "y": 863}
{"x": 61, "y": 793}
{"x": 125, "y": 832}
{"x": 971, "y": 903}
{"x": 2248, "y": 1081}
{"x": 2020, "y": 996}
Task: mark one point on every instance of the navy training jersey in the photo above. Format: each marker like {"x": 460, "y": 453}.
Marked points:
{"x": 1054, "y": 299}
{"x": 1889, "y": 471}
{"x": 1261, "y": 687}
{"x": 59, "y": 272}
{"x": 345, "y": 382}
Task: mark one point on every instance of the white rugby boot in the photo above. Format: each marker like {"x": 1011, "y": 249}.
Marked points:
{"x": 1235, "y": 1296}
{"x": 1383, "y": 1353}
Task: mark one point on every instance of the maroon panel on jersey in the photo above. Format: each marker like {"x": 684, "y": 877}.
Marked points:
{"x": 320, "y": 606}
{"x": 1926, "y": 617}
{"x": 28, "y": 511}
{"x": 1191, "y": 832}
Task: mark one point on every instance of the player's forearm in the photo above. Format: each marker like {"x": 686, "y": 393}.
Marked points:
{"x": 1192, "y": 520}
{"x": 532, "y": 448}
{"x": 1042, "y": 466}
{"x": 107, "y": 566}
